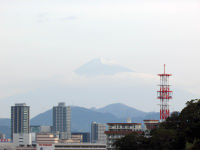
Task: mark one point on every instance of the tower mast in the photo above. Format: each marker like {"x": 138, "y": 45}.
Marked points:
{"x": 164, "y": 94}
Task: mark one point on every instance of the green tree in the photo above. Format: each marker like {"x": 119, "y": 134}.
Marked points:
{"x": 133, "y": 141}
{"x": 172, "y": 122}
{"x": 190, "y": 120}
{"x": 172, "y": 134}
{"x": 167, "y": 139}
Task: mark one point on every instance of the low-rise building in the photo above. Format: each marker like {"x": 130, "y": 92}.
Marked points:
{"x": 7, "y": 146}
{"x": 45, "y": 146}
{"x": 38, "y": 129}
{"x": 71, "y": 146}
{"x": 78, "y": 138}
{"x": 46, "y": 138}
{"x": 150, "y": 124}
{"x": 74, "y": 139}
{"x": 80, "y": 146}
{"x": 119, "y": 130}
{"x": 85, "y": 136}
{"x": 26, "y": 148}
{"x": 22, "y": 139}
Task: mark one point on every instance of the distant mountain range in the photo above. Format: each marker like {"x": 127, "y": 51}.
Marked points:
{"x": 81, "y": 118}
{"x": 125, "y": 111}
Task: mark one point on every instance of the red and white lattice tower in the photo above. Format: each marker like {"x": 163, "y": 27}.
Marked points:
{"x": 164, "y": 94}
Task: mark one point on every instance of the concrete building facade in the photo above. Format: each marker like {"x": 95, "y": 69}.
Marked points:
{"x": 20, "y": 118}
{"x": 119, "y": 130}
{"x": 46, "y": 138}
{"x": 22, "y": 139}
{"x": 62, "y": 120}
{"x": 150, "y": 124}
{"x": 39, "y": 129}
{"x": 72, "y": 146}
{"x": 7, "y": 146}
{"x": 85, "y": 135}
{"x": 97, "y": 133}
{"x": 20, "y": 124}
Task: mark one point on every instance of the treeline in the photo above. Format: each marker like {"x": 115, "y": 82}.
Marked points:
{"x": 180, "y": 131}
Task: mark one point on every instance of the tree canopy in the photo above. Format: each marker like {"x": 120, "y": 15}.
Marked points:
{"x": 180, "y": 131}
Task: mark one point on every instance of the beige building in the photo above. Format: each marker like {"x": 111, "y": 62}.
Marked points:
{"x": 78, "y": 138}
{"x": 150, "y": 124}
{"x": 46, "y": 138}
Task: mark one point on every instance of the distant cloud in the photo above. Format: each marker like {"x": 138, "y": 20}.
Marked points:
{"x": 45, "y": 17}
{"x": 42, "y": 17}
{"x": 69, "y": 18}
{"x": 108, "y": 61}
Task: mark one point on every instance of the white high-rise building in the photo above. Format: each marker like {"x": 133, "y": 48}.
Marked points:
{"x": 62, "y": 120}
{"x": 97, "y": 133}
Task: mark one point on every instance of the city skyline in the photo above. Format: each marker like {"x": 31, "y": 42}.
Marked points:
{"x": 42, "y": 44}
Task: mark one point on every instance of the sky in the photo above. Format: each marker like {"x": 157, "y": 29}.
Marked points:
{"x": 42, "y": 43}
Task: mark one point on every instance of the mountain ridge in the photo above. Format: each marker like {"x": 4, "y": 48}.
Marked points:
{"x": 81, "y": 118}
{"x": 125, "y": 110}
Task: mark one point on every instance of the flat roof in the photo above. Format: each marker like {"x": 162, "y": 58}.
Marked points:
{"x": 124, "y": 123}
{"x": 150, "y": 120}
{"x": 122, "y": 132}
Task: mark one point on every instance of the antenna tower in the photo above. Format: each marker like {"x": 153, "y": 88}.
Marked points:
{"x": 164, "y": 94}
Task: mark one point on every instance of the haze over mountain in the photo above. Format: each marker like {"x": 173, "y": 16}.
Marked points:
{"x": 5, "y": 126}
{"x": 81, "y": 118}
{"x": 125, "y": 111}
{"x": 100, "y": 66}
{"x": 120, "y": 110}
{"x": 49, "y": 43}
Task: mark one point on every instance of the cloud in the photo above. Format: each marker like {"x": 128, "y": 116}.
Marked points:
{"x": 108, "y": 61}
{"x": 98, "y": 67}
{"x": 46, "y": 17}
{"x": 42, "y": 17}
{"x": 68, "y": 18}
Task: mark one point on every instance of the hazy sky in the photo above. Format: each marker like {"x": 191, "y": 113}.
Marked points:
{"x": 43, "y": 42}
